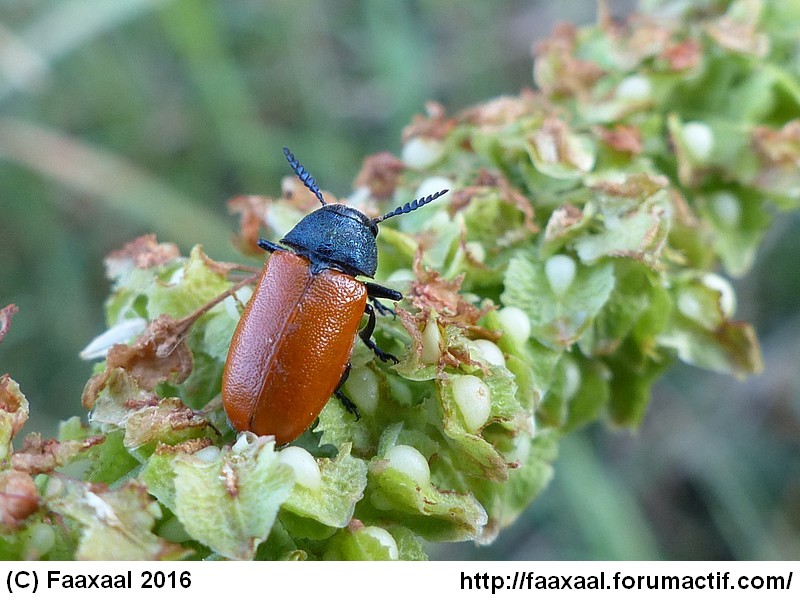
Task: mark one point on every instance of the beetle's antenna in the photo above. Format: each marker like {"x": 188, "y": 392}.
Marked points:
{"x": 304, "y": 175}
{"x": 409, "y": 206}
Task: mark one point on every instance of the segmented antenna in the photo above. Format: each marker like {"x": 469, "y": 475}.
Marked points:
{"x": 409, "y": 206}
{"x": 304, "y": 175}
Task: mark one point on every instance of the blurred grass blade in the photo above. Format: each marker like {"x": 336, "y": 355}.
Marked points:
{"x": 66, "y": 27}
{"x": 22, "y": 67}
{"x": 115, "y": 182}
{"x": 195, "y": 30}
{"x": 608, "y": 516}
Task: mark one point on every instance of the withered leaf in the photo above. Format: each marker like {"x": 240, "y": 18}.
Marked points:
{"x": 5, "y": 319}
{"x": 252, "y": 212}
{"x": 142, "y": 253}
{"x": 300, "y": 197}
{"x": 556, "y": 68}
{"x": 435, "y": 124}
{"x": 13, "y": 402}
{"x": 160, "y": 354}
{"x": 621, "y": 137}
{"x": 19, "y": 497}
{"x": 430, "y": 291}
{"x": 168, "y": 417}
{"x": 683, "y": 55}
{"x": 380, "y": 174}
{"x": 44, "y": 455}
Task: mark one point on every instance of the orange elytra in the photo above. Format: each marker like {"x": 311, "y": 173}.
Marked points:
{"x": 291, "y": 349}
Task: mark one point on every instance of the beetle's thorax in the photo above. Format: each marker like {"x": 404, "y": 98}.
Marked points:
{"x": 339, "y": 237}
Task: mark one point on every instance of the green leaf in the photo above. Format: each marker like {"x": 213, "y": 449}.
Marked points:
{"x": 338, "y": 427}
{"x": 13, "y": 414}
{"x": 203, "y": 383}
{"x": 639, "y": 234}
{"x": 557, "y": 321}
{"x": 189, "y": 287}
{"x": 114, "y": 524}
{"x": 364, "y": 543}
{"x": 129, "y": 298}
{"x": 409, "y": 545}
{"x": 531, "y": 363}
{"x": 110, "y": 461}
{"x": 280, "y": 546}
{"x": 218, "y": 330}
{"x": 559, "y": 153}
{"x": 738, "y": 220}
{"x": 343, "y": 481}
{"x": 39, "y": 541}
{"x": 228, "y": 499}
{"x": 578, "y": 394}
{"x": 435, "y": 514}
{"x": 493, "y": 221}
{"x": 731, "y": 348}
{"x": 627, "y": 302}
{"x": 472, "y": 453}
{"x": 505, "y": 502}
{"x": 632, "y": 377}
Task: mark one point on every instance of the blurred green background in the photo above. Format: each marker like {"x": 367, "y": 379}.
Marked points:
{"x": 124, "y": 117}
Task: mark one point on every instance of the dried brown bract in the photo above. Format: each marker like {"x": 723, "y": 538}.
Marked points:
{"x": 380, "y": 174}
{"x": 621, "y": 137}
{"x": 187, "y": 447}
{"x": 504, "y": 110}
{"x": 44, "y": 455}
{"x": 5, "y": 319}
{"x": 563, "y": 218}
{"x": 13, "y": 403}
{"x": 252, "y": 211}
{"x": 300, "y": 197}
{"x": 683, "y": 55}
{"x": 779, "y": 146}
{"x": 160, "y": 354}
{"x": 557, "y": 71}
{"x": 19, "y": 498}
{"x": 737, "y": 30}
{"x": 432, "y": 292}
{"x": 435, "y": 124}
{"x": 142, "y": 253}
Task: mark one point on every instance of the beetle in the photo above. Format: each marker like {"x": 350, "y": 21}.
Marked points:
{"x": 291, "y": 349}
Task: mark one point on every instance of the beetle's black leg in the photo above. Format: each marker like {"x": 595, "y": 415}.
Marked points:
{"x": 348, "y": 404}
{"x": 366, "y": 336}
{"x": 382, "y": 308}
{"x": 379, "y": 291}
{"x": 269, "y": 246}
{"x": 375, "y": 291}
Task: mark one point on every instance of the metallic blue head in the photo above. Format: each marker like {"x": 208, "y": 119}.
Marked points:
{"x": 338, "y": 236}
